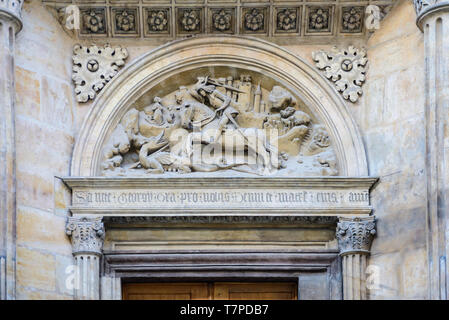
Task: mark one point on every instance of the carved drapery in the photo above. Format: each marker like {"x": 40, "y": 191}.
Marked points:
{"x": 87, "y": 236}
{"x": 355, "y": 236}
{"x": 10, "y": 25}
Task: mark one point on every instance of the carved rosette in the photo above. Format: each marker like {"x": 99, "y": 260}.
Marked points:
{"x": 12, "y": 9}
{"x": 93, "y": 67}
{"x": 355, "y": 235}
{"x": 87, "y": 235}
{"x": 346, "y": 68}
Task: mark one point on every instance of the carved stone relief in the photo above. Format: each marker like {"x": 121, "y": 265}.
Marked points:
{"x": 352, "y": 19}
{"x": 355, "y": 235}
{"x": 87, "y": 234}
{"x": 93, "y": 67}
{"x": 305, "y": 19}
{"x": 346, "y": 68}
{"x": 220, "y": 124}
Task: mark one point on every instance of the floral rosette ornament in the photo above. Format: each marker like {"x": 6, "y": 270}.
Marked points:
{"x": 93, "y": 21}
{"x": 222, "y": 20}
{"x": 319, "y": 19}
{"x": 157, "y": 20}
{"x": 352, "y": 20}
{"x": 125, "y": 21}
{"x": 254, "y": 20}
{"x": 287, "y": 19}
{"x": 190, "y": 20}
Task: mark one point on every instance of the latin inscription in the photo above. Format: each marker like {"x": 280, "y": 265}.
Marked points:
{"x": 239, "y": 198}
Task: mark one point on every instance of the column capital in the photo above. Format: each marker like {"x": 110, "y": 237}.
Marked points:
{"x": 12, "y": 10}
{"x": 87, "y": 235}
{"x": 355, "y": 235}
{"x": 424, "y": 8}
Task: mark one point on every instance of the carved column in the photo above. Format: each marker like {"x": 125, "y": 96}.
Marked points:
{"x": 10, "y": 24}
{"x": 87, "y": 235}
{"x": 354, "y": 240}
{"x": 433, "y": 20}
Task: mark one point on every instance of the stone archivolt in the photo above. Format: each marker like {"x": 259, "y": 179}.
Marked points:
{"x": 346, "y": 68}
{"x": 93, "y": 67}
{"x": 220, "y": 124}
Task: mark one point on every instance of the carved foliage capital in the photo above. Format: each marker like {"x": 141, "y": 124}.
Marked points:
{"x": 355, "y": 235}
{"x": 87, "y": 234}
{"x": 93, "y": 67}
{"x": 346, "y": 68}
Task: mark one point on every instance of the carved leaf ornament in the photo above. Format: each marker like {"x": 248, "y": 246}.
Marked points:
{"x": 346, "y": 68}
{"x": 93, "y": 67}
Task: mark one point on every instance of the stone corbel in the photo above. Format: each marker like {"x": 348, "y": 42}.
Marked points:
{"x": 346, "y": 68}
{"x": 355, "y": 236}
{"x": 87, "y": 236}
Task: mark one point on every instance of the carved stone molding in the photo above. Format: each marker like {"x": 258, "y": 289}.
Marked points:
{"x": 346, "y": 68}
{"x": 12, "y": 9}
{"x": 170, "y": 19}
{"x": 355, "y": 234}
{"x": 93, "y": 67}
{"x": 87, "y": 235}
{"x": 425, "y": 7}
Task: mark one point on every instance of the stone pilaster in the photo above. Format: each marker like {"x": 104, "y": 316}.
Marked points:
{"x": 87, "y": 235}
{"x": 354, "y": 237}
{"x": 10, "y": 25}
{"x": 433, "y": 20}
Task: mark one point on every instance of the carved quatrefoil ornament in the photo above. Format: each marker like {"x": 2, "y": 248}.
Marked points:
{"x": 93, "y": 67}
{"x": 346, "y": 68}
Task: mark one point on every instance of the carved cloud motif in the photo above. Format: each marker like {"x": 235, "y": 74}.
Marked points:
{"x": 93, "y": 67}
{"x": 346, "y": 68}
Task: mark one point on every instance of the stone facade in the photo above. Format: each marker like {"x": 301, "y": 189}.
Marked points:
{"x": 86, "y": 102}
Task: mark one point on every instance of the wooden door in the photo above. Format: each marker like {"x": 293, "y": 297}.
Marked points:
{"x": 255, "y": 291}
{"x": 211, "y": 291}
{"x": 166, "y": 291}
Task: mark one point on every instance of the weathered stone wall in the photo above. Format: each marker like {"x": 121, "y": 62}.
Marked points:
{"x": 45, "y": 118}
{"x": 392, "y": 120}
{"x": 390, "y": 116}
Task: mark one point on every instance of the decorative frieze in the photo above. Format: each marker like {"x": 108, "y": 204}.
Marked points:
{"x": 346, "y": 68}
{"x": 303, "y": 19}
{"x": 355, "y": 235}
{"x": 87, "y": 235}
{"x": 93, "y": 67}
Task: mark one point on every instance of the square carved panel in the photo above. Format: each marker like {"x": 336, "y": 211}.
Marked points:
{"x": 93, "y": 21}
{"x": 287, "y": 20}
{"x": 352, "y": 19}
{"x": 189, "y": 20}
{"x": 222, "y": 20}
{"x": 157, "y": 21}
{"x": 125, "y": 22}
{"x": 319, "y": 20}
{"x": 254, "y": 20}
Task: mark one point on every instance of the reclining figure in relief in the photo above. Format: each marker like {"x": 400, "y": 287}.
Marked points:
{"x": 216, "y": 125}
